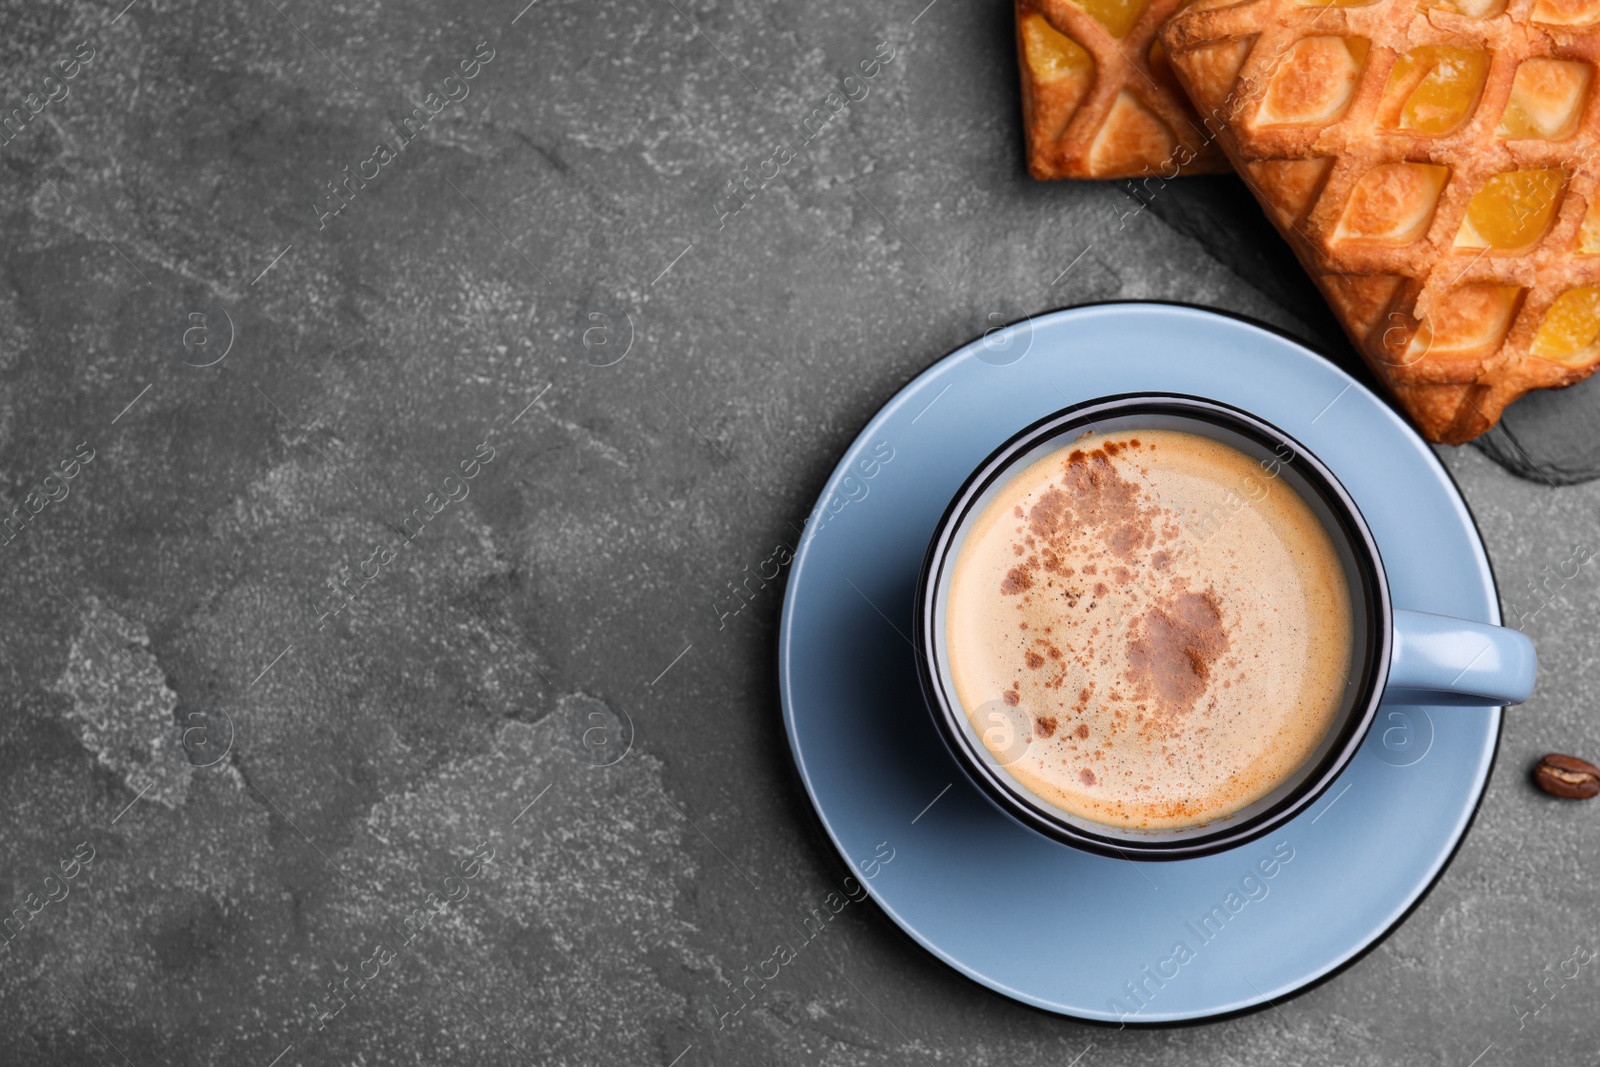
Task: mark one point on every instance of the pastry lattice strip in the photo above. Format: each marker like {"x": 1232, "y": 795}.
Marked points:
{"x": 1380, "y": 138}
{"x": 1098, "y": 99}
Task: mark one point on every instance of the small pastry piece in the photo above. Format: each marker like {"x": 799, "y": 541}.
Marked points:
{"x": 1435, "y": 164}
{"x": 1098, "y": 99}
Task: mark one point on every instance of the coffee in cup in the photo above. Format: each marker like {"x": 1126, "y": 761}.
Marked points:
{"x": 1166, "y": 624}
{"x": 1155, "y": 625}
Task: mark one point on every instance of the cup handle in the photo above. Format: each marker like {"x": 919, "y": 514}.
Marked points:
{"x": 1442, "y": 660}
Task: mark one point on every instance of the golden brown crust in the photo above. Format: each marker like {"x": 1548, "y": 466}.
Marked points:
{"x": 1119, "y": 113}
{"x": 1375, "y": 211}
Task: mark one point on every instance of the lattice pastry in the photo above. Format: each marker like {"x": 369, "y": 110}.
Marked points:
{"x": 1098, "y": 99}
{"x": 1434, "y": 168}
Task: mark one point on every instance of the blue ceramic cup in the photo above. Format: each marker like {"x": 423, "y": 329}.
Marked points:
{"x": 1398, "y": 656}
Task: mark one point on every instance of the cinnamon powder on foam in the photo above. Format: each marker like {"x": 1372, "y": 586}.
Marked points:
{"x": 1178, "y": 654}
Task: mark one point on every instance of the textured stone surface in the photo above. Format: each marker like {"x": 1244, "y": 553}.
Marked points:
{"x": 550, "y": 285}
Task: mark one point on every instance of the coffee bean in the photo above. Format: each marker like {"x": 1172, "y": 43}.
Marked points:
{"x": 1567, "y": 776}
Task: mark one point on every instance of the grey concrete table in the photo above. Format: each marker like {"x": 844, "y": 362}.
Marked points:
{"x": 393, "y": 392}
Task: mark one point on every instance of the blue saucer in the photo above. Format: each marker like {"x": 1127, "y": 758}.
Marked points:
{"x": 1095, "y": 938}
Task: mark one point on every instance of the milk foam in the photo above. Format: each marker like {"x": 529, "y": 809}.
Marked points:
{"x": 1172, "y": 619}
